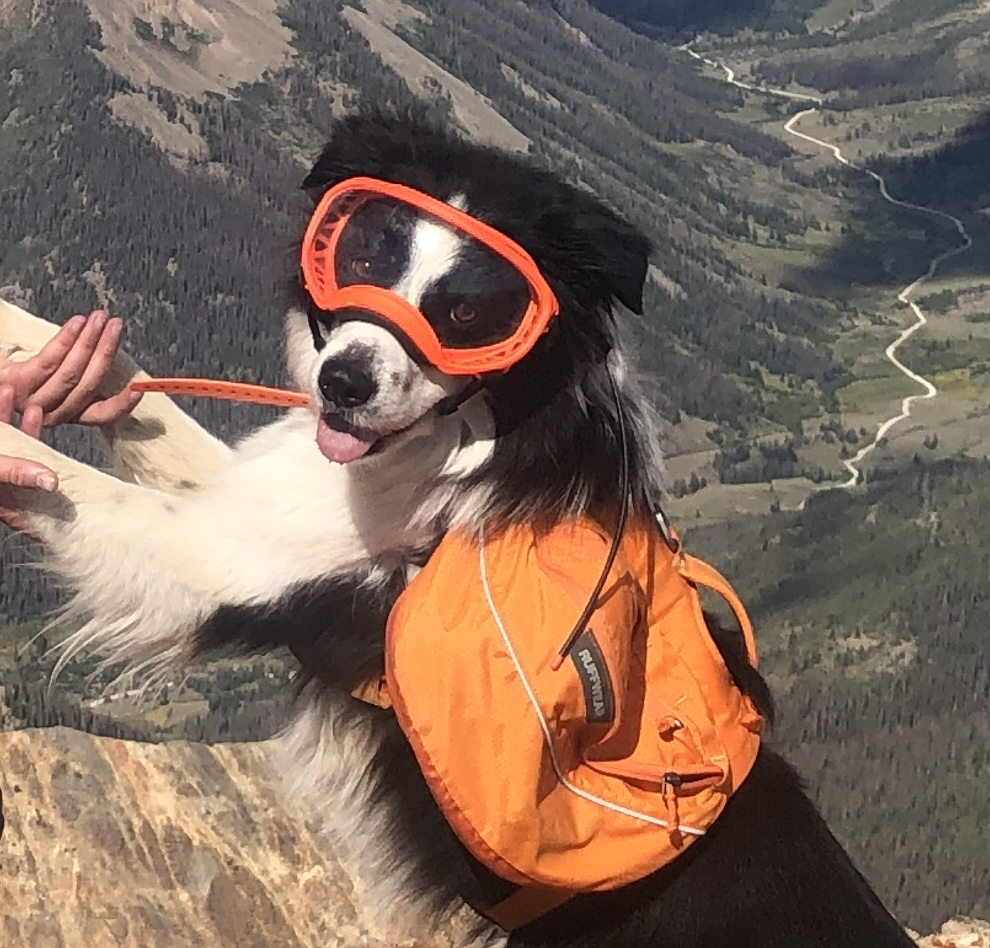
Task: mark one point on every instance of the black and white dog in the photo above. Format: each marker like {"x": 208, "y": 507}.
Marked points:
{"x": 304, "y": 533}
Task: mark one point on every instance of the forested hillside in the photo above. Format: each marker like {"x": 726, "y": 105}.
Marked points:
{"x": 193, "y": 254}
{"x": 872, "y": 613}
{"x": 674, "y": 18}
{"x": 606, "y": 111}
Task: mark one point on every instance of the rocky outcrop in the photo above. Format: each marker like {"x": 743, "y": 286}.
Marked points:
{"x": 959, "y": 933}
{"x": 179, "y": 845}
{"x": 118, "y": 843}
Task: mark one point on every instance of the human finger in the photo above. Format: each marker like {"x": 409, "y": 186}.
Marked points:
{"x": 21, "y": 472}
{"x": 28, "y": 376}
{"x": 8, "y": 409}
{"x": 6, "y": 403}
{"x": 109, "y": 410}
{"x": 11, "y": 516}
{"x": 32, "y": 421}
{"x": 63, "y": 382}
{"x": 98, "y": 364}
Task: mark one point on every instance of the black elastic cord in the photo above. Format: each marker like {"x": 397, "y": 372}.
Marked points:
{"x": 314, "y": 327}
{"x": 616, "y": 539}
{"x": 450, "y": 404}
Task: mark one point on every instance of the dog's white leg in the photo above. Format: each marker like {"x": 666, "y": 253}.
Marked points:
{"x": 158, "y": 445}
{"x": 149, "y": 569}
{"x": 339, "y": 764}
{"x": 327, "y": 759}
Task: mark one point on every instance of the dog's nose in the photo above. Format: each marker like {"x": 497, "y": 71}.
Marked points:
{"x": 345, "y": 384}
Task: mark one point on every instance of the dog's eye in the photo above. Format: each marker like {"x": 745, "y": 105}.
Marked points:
{"x": 463, "y": 313}
{"x": 362, "y": 268}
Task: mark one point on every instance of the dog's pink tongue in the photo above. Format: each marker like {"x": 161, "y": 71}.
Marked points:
{"x": 340, "y": 446}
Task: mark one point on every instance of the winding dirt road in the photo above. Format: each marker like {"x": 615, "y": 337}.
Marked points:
{"x": 930, "y": 391}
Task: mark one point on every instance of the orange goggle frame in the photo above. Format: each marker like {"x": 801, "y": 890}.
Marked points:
{"x": 319, "y": 247}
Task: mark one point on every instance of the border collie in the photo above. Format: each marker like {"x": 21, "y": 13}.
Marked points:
{"x": 304, "y": 534}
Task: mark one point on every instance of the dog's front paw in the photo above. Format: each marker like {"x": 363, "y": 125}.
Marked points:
{"x": 47, "y": 513}
{"x": 21, "y": 333}
{"x": 26, "y": 508}
{"x": 16, "y": 444}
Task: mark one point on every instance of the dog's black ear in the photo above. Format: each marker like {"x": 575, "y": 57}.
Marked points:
{"x": 324, "y": 174}
{"x": 353, "y": 147}
{"x": 625, "y": 259}
{"x": 615, "y": 251}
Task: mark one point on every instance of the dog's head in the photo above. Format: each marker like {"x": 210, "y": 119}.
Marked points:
{"x": 372, "y": 382}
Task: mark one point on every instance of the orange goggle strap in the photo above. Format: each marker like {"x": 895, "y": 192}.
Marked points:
{"x": 319, "y": 246}
{"x": 229, "y": 391}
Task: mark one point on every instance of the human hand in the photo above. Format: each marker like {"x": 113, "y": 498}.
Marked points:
{"x": 64, "y": 378}
{"x": 19, "y": 472}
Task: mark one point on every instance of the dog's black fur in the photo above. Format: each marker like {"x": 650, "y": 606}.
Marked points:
{"x": 769, "y": 874}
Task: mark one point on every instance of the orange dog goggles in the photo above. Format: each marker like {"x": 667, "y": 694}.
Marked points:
{"x": 468, "y": 298}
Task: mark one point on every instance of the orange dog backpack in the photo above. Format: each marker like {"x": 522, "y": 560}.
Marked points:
{"x": 593, "y": 775}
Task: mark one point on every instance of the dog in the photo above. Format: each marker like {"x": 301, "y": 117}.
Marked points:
{"x": 304, "y": 534}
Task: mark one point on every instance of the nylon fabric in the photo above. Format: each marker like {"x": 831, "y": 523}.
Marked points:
{"x": 536, "y": 788}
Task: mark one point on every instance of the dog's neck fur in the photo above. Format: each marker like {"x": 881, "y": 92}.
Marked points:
{"x": 403, "y": 502}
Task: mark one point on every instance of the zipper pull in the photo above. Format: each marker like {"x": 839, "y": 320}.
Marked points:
{"x": 668, "y": 790}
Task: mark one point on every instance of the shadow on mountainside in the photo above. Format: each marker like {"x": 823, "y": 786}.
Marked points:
{"x": 667, "y": 19}
{"x": 955, "y": 177}
{"x": 883, "y": 245}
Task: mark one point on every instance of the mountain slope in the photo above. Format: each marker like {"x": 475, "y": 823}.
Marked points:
{"x": 191, "y": 241}
{"x": 872, "y": 611}
{"x": 905, "y": 94}
{"x": 114, "y": 843}
{"x": 176, "y": 207}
